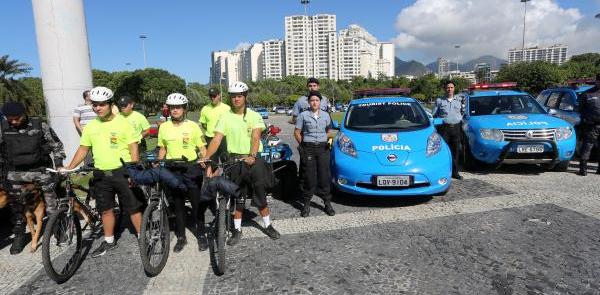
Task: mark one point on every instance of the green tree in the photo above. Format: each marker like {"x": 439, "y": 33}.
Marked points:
{"x": 582, "y": 66}
{"x": 532, "y": 76}
{"x": 12, "y": 88}
{"x": 34, "y": 100}
{"x": 428, "y": 85}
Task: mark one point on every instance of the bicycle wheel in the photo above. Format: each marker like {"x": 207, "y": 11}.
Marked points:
{"x": 61, "y": 248}
{"x": 154, "y": 239}
{"x": 221, "y": 236}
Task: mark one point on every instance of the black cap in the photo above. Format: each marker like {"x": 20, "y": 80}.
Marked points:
{"x": 213, "y": 92}
{"x": 123, "y": 101}
{"x": 314, "y": 93}
{"x": 13, "y": 108}
{"x": 312, "y": 80}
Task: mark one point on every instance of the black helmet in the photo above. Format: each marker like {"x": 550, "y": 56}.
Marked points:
{"x": 13, "y": 108}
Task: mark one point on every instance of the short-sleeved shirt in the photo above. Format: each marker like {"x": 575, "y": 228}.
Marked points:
{"x": 237, "y": 129}
{"x": 210, "y": 115}
{"x": 138, "y": 122}
{"x": 302, "y": 105}
{"x": 314, "y": 128}
{"x": 449, "y": 110}
{"x": 181, "y": 140}
{"x": 85, "y": 113}
{"x": 109, "y": 141}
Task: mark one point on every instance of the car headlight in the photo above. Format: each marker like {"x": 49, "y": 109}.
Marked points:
{"x": 563, "y": 133}
{"x": 491, "y": 134}
{"x": 434, "y": 144}
{"x": 346, "y": 145}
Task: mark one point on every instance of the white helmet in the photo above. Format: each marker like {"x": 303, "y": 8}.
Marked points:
{"x": 176, "y": 99}
{"x": 100, "y": 94}
{"x": 238, "y": 87}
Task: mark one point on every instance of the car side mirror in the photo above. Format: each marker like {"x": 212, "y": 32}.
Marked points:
{"x": 552, "y": 112}
{"x": 438, "y": 121}
{"x": 335, "y": 125}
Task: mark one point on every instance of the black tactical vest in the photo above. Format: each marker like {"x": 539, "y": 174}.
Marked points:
{"x": 591, "y": 109}
{"x": 23, "y": 147}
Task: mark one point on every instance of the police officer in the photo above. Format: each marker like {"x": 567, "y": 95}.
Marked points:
{"x": 589, "y": 108}
{"x": 28, "y": 146}
{"x": 112, "y": 141}
{"x": 302, "y": 105}
{"x": 139, "y": 123}
{"x": 210, "y": 115}
{"x": 450, "y": 109}
{"x": 242, "y": 127}
{"x": 312, "y": 132}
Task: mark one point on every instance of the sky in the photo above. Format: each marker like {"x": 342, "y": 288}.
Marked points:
{"x": 182, "y": 33}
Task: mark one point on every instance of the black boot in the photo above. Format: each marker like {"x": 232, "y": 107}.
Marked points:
{"x": 18, "y": 243}
{"x": 328, "y": 209}
{"x": 306, "y": 209}
{"x": 583, "y": 168}
{"x": 202, "y": 240}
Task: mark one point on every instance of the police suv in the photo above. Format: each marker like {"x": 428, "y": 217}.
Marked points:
{"x": 388, "y": 146}
{"x": 503, "y": 125}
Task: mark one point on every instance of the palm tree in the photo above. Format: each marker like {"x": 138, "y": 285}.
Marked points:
{"x": 11, "y": 88}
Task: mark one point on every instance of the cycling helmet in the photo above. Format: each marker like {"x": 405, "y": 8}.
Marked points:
{"x": 176, "y": 99}
{"x": 238, "y": 87}
{"x": 101, "y": 94}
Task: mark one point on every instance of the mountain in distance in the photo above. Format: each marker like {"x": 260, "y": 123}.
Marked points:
{"x": 493, "y": 61}
{"x": 410, "y": 68}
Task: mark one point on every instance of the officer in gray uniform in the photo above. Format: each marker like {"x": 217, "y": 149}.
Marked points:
{"x": 302, "y": 104}
{"x": 450, "y": 109}
{"x": 27, "y": 147}
{"x": 312, "y": 132}
{"x": 589, "y": 108}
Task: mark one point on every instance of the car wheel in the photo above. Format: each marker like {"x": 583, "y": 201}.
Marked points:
{"x": 469, "y": 161}
{"x": 561, "y": 166}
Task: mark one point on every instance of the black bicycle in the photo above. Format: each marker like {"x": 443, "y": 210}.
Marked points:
{"x": 62, "y": 242}
{"x": 225, "y": 204}
{"x": 154, "y": 241}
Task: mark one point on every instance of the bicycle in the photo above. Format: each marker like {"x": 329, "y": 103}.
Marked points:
{"x": 225, "y": 205}
{"x": 64, "y": 230}
{"x": 154, "y": 241}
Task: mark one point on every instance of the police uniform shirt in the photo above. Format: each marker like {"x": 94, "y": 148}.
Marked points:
{"x": 314, "y": 128}
{"x": 449, "y": 110}
{"x": 302, "y": 105}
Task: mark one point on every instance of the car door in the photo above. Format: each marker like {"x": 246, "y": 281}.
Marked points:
{"x": 543, "y": 97}
{"x": 561, "y": 104}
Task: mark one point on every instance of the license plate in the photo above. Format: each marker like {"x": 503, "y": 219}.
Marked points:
{"x": 401, "y": 180}
{"x": 530, "y": 149}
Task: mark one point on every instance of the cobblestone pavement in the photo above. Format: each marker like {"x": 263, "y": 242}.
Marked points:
{"x": 517, "y": 230}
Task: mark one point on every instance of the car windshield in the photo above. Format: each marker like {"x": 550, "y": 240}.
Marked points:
{"x": 386, "y": 116}
{"x": 503, "y": 104}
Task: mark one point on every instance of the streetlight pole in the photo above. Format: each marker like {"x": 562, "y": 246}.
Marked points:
{"x": 128, "y": 65}
{"x": 524, "y": 18}
{"x": 305, "y": 3}
{"x": 143, "y": 38}
{"x": 457, "y": 47}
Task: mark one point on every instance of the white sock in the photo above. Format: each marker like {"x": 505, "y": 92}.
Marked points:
{"x": 267, "y": 220}
{"x": 237, "y": 224}
{"x": 110, "y": 239}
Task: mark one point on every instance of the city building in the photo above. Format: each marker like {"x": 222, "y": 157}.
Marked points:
{"x": 273, "y": 59}
{"x": 483, "y": 72}
{"x": 311, "y": 46}
{"x": 361, "y": 55}
{"x": 554, "y": 54}
{"x": 443, "y": 66}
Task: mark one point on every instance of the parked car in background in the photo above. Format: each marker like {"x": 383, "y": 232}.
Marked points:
{"x": 264, "y": 113}
{"x": 280, "y": 110}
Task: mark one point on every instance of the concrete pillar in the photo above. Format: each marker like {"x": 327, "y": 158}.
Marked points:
{"x": 65, "y": 63}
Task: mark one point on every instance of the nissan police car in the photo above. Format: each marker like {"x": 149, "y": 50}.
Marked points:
{"x": 388, "y": 146}
{"x": 503, "y": 125}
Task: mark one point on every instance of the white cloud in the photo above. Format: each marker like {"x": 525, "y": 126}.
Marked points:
{"x": 430, "y": 28}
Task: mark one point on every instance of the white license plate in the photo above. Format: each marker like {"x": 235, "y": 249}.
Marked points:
{"x": 402, "y": 180}
{"x": 530, "y": 149}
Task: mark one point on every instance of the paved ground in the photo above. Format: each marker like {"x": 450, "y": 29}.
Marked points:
{"x": 518, "y": 230}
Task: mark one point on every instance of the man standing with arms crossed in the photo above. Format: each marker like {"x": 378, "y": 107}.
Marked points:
{"x": 449, "y": 108}
{"x": 112, "y": 140}
{"x": 209, "y": 116}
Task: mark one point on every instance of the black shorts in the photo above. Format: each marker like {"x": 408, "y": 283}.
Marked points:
{"x": 252, "y": 179}
{"x": 111, "y": 182}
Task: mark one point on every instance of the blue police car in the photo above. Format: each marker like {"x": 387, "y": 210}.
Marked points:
{"x": 388, "y": 146}
{"x": 503, "y": 125}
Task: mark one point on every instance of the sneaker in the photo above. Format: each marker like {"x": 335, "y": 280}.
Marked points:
{"x": 236, "y": 235}
{"x": 181, "y": 242}
{"x": 329, "y": 210}
{"x": 305, "y": 210}
{"x": 202, "y": 243}
{"x": 272, "y": 232}
{"x": 103, "y": 248}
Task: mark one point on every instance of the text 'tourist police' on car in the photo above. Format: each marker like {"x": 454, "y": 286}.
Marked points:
{"x": 388, "y": 146}
{"x": 507, "y": 126}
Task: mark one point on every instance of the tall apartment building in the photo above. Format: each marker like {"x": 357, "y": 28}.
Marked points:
{"x": 251, "y": 68}
{"x": 311, "y": 46}
{"x": 273, "y": 59}
{"x": 483, "y": 72}
{"x": 443, "y": 66}
{"x": 219, "y": 66}
{"x": 554, "y": 54}
{"x": 386, "y": 61}
{"x": 360, "y": 54}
